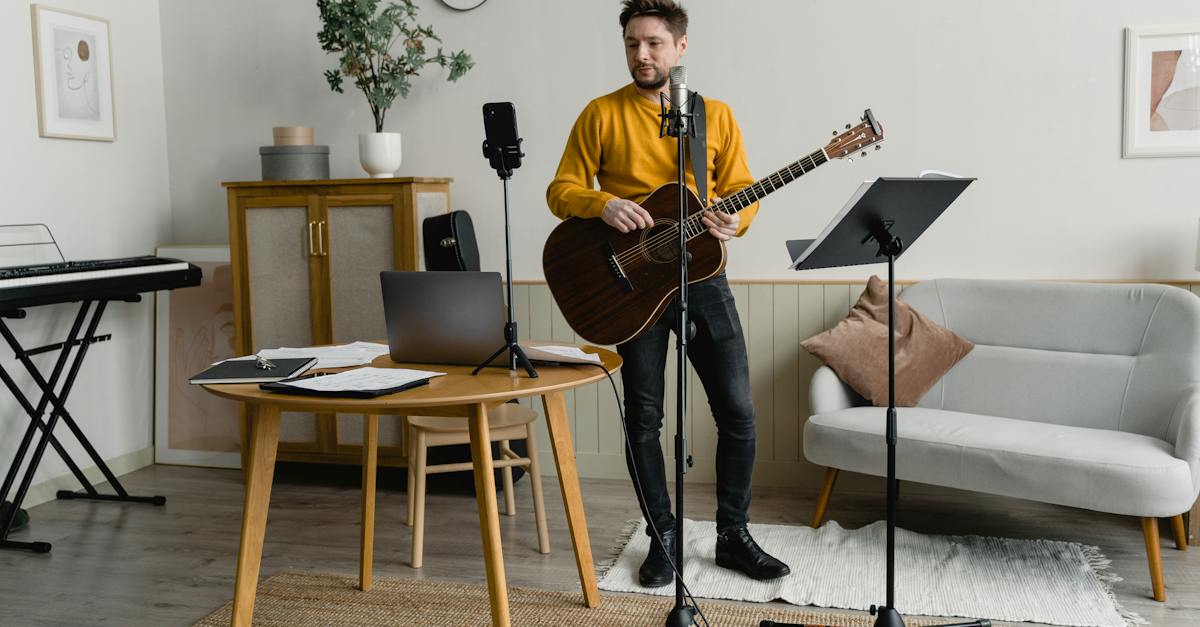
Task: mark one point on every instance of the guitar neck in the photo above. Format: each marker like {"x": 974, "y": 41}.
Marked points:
{"x": 751, "y": 194}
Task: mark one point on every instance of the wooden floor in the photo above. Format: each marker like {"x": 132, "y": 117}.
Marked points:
{"x": 127, "y": 565}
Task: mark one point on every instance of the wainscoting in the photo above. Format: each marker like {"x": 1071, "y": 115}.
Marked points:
{"x": 775, "y": 317}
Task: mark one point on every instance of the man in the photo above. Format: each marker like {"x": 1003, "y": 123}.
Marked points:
{"x": 615, "y": 141}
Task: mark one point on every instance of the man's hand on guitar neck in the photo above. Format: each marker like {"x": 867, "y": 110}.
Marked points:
{"x": 721, "y": 225}
{"x": 626, "y": 215}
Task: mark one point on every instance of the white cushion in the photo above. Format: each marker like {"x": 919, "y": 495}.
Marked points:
{"x": 1097, "y": 469}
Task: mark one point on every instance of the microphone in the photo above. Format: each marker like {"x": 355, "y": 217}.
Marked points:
{"x": 679, "y": 94}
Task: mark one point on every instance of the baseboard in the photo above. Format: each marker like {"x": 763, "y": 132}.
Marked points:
{"x": 45, "y": 491}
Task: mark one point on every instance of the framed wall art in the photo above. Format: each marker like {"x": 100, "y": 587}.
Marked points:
{"x": 1162, "y": 91}
{"x": 73, "y": 69}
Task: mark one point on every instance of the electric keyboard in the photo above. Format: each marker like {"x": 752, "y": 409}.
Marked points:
{"x": 96, "y": 279}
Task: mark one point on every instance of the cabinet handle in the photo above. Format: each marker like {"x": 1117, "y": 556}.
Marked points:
{"x": 321, "y": 238}
{"x": 312, "y": 252}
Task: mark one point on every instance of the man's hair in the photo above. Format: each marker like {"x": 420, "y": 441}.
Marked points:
{"x": 674, "y": 16}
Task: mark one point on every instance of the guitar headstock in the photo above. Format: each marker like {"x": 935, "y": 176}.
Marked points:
{"x": 855, "y": 138}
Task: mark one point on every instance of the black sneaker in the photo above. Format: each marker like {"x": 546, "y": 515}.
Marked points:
{"x": 738, "y": 551}
{"x": 656, "y": 571}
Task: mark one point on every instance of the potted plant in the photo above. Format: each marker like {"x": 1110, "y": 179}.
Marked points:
{"x": 364, "y": 36}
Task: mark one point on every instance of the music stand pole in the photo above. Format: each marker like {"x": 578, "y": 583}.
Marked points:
{"x": 890, "y": 247}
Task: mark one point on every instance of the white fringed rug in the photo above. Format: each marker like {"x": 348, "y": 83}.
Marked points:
{"x": 1061, "y": 583}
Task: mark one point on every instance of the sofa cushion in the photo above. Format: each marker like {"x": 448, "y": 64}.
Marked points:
{"x": 857, "y": 348}
{"x": 1097, "y": 469}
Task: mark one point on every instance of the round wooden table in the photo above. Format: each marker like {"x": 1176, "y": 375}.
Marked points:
{"x": 458, "y": 393}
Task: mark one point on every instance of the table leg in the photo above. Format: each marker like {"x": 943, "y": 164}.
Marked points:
{"x": 245, "y": 417}
{"x": 260, "y": 471}
{"x": 489, "y": 514}
{"x": 559, "y": 426}
{"x": 370, "y": 447}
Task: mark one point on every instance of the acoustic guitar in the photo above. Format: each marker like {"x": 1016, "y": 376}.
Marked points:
{"x": 611, "y": 286}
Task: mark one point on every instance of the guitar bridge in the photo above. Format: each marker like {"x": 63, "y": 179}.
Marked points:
{"x": 614, "y": 267}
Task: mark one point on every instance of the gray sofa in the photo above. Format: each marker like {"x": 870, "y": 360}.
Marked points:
{"x": 1075, "y": 394}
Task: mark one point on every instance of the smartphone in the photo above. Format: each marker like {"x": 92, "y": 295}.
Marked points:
{"x": 500, "y": 132}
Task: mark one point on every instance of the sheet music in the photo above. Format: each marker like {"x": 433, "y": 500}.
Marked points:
{"x": 362, "y": 379}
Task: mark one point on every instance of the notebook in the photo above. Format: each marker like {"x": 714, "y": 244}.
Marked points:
{"x": 247, "y": 371}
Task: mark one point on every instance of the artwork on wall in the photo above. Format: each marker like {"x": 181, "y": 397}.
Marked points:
{"x": 194, "y": 329}
{"x": 73, "y": 70}
{"x": 1162, "y": 91}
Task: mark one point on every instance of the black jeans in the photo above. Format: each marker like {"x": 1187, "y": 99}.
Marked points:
{"x": 718, "y": 355}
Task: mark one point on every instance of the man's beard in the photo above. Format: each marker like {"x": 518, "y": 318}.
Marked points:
{"x": 659, "y": 80}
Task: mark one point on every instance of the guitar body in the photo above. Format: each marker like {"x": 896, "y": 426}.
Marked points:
{"x": 611, "y": 286}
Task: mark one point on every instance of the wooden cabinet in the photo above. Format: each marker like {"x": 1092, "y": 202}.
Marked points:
{"x": 306, "y": 258}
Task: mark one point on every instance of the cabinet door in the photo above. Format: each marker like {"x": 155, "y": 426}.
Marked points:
{"x": 361, "y": 243}
{"x": 282, "y": 303}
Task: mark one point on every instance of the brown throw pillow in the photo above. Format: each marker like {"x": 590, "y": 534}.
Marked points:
{"x": 856, "y": 349}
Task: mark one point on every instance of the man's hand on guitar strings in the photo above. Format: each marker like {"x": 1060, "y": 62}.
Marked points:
{"x": 722, "y": 226}
{"x": 626, "y": 215}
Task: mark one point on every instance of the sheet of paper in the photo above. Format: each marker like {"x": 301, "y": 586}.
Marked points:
{"x": 341, "y": 356}
{"x": 566, "y": 354}
{"x": 363, "y": 379}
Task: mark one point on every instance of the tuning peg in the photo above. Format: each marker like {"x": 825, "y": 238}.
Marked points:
{"x": 835, "y": 133}
{"x": 847, "y": 127}
{"x": 877, "y": 146}
{"x": 864, "y": 153}
{"x": 850, "y": 159}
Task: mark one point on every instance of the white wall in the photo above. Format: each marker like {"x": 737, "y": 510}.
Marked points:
{"x": 1025, "y": 95}
{"x": 101, "y": 199}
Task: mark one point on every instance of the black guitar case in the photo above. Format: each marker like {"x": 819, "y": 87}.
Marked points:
{"x": 450, "y": 245}
{"x": 450, "y": 242}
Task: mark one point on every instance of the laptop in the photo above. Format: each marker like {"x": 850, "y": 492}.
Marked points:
{"x": 443, "y": 317}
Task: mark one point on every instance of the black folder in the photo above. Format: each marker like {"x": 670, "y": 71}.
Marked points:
{"x": 247, "y": 371}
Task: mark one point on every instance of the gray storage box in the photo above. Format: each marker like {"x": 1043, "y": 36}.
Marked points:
{"x": 294, "y": 163}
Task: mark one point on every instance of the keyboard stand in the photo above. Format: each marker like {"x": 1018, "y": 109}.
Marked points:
{"x": 58, "y": 411}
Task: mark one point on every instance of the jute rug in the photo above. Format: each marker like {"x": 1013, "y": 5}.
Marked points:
{"x": 301, "y": 599}
{"x": 1061, "y": 583}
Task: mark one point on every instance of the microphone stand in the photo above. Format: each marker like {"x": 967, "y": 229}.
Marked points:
{"x": 679, "y": 125}
{"x": 516, "y": 356}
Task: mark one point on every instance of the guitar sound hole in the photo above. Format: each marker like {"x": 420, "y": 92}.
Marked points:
{"x": 660, "y": 242}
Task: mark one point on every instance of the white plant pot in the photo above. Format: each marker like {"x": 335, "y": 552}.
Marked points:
{"x": 379, "y": 154}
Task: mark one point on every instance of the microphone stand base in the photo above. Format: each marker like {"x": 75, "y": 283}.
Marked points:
{"x": 887, "y": 617}
{"x": 684, "y": 616}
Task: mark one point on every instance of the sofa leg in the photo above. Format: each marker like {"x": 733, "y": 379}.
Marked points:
{"x": 1150, "y": 533}
{"x": 1181, "y": 541}
{"x": 823, "y": 500}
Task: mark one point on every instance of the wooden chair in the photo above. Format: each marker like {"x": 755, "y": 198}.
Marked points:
{"x": 506, "y": 422}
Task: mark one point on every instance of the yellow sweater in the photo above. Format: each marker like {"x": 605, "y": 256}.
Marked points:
{"x": 615, "y": 141}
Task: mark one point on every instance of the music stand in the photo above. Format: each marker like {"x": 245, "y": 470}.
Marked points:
{"x": 882, "y": 219}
